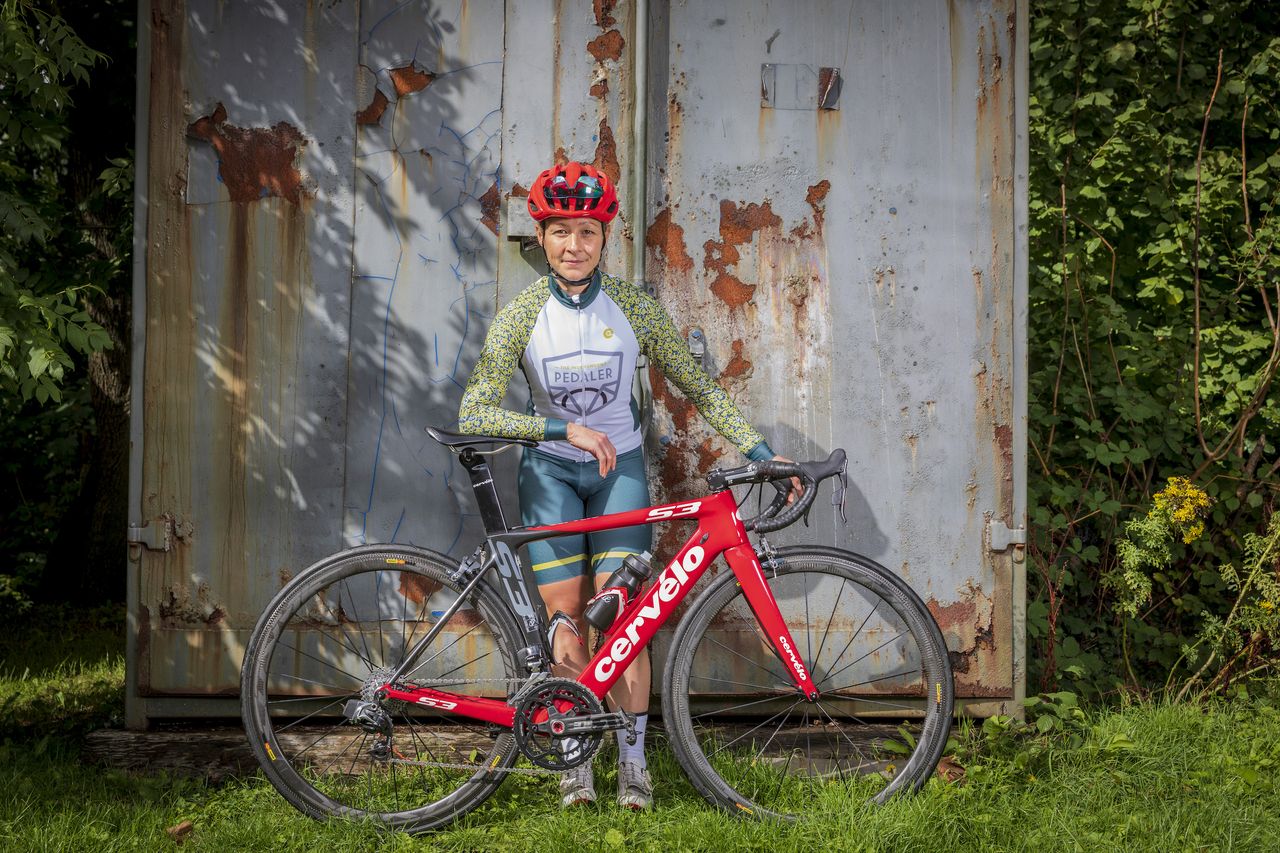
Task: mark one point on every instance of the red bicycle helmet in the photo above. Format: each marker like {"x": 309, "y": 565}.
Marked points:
{"x": 574, "y": 190}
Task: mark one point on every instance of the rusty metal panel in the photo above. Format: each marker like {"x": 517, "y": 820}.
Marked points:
{"x": 246, "y": 310}
{"x": 852, "y": 271}
{"x": 576, "y": 106}
{"x": 428, "y": 124}
{"x": 836, "y": 208}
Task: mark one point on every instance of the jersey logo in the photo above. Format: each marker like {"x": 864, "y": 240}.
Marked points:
{"x": 583, "y": 382}
{"x": 608, "y": 333}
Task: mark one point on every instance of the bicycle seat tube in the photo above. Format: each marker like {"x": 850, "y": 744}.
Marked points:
{"x": 486, "y": 491}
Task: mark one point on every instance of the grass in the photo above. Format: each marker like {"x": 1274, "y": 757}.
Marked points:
{"x": 1144, "y": 777}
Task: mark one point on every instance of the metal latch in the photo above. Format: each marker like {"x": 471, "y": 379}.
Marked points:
{"x": 698, "y": 347}
{"x": 1001, "y": 536}
{"x": 155, "y": 535}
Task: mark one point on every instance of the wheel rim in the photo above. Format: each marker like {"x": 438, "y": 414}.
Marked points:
{"x": 764, "y": 746}
{"x": 334, "y": 645}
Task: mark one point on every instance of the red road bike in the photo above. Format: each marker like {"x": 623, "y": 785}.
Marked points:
{"x": 393, "y": 683}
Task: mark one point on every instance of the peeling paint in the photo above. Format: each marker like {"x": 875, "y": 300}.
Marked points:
{"x": 489, "y": 203}
{"x": 967, "y": 625}
{"x": 738, "y": 225}
{"x": 739, "y": 367}
{"x": 666, "y": 238}
{"x": 410, "y": 78}
{"x": 815, "y": 197}
{"x": 606, "y": 47}
{"x": 603, "y": 10}
{"x": 606, "y": 158}
{"x": 178, "y": 608}
{"x": 372, "y": 114}
{"x": 253, "y": 162}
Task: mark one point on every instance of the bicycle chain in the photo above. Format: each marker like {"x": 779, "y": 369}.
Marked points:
{"x": 526, "y": 771}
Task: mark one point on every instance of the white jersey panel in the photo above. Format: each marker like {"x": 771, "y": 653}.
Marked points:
{"x": 581, "y": 363}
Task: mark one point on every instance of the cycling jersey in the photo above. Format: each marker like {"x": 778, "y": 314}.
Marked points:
{"x": 579, "y": 356}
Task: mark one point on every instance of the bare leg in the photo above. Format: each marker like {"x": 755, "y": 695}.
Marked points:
{"x": 631, "y": 693}
{"x": 570, "y": 597}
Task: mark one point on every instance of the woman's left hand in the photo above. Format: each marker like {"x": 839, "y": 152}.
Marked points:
{"x": 797, "y": 488}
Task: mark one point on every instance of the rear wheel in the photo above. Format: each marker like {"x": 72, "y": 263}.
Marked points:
{"x": 751, "y": 743}
{"x": 335, "y": 633}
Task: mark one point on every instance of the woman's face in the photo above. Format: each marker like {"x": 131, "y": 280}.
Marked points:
{"x": 573, "y": 246}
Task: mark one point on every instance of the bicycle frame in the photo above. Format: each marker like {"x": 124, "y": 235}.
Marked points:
{"x": 719, "y": 531}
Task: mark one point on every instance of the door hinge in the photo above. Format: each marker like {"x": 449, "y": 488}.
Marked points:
{"x": 1000, "y": 536}
{"x": 155, "y": 535}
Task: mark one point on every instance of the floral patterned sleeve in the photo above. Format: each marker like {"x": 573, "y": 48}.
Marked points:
{"x": 662, "y": 343}
{"x": 481, "y": 412}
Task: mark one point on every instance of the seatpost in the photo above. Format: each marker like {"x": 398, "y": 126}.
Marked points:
{"x": 486, "y": 491}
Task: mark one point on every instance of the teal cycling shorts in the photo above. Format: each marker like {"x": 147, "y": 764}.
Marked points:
{"x": 553, "y": 490}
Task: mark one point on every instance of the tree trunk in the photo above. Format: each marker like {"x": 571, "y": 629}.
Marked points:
{"x": 87, "y": 562}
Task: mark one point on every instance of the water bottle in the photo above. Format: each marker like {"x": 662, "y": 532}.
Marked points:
{"x": 603, "y": 610}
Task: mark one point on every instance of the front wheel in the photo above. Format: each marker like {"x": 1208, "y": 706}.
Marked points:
{"x": 335, "y": 633}
{"x": 751, "y": 743}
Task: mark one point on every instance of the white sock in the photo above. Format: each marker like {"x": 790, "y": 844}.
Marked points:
{"x": 628, "y": 752}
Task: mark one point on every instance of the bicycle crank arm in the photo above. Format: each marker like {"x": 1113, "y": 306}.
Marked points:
{"x": 594, "y": 724}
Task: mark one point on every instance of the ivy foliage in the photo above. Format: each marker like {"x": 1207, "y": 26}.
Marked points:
{"x": 1155, "y": 286}
{"x": 43, "y": 251}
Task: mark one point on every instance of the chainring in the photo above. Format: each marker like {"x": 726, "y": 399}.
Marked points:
{"x": 537, "y": 715}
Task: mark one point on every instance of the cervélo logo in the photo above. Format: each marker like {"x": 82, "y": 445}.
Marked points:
{"x": 795, "y": 661}
{"x": 669, "y": 586}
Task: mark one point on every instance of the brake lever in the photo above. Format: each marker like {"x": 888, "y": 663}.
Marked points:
{"x": 838, "y": 490}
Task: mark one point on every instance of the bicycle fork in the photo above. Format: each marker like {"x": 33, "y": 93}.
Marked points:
{"x": 755, "y": 588}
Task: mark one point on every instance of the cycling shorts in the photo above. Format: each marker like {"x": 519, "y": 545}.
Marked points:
{"x": 553, "y": 490}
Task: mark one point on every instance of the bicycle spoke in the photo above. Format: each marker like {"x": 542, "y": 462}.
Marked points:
{"x": 355, "y": 617}
{"x": 741, "y": 683}
{"x": 311, "y": 697}
{"x": 752, "y": 729}
{"x": 322, "y": 661}
{"x": 312, "y": 714}
{"x": 455, "y": 642}
{"x": 758, "y": 665}
{"x": 740, "y": 707}
{"x": 855, "y": 634}
{"x": 465, "y": 664}
{"x": 320, "y": 737}
{"x": 840, "y": 730}
{"x": 874, "y": 680}
{"x": 830, "y": 618}
{"x": 832, "y": 675}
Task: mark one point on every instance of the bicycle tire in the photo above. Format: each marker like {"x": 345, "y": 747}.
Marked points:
{"x": 326, "y": 637}
{"x": 878, "y": 732}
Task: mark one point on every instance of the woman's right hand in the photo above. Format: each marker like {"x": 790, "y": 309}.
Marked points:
{"x": 595, "y": 443}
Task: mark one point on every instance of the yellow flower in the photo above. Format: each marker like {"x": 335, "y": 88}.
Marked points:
{"x": 1184, "y": 505}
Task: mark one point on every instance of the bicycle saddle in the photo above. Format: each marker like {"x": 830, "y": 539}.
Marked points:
{"x": 459, "y": 440}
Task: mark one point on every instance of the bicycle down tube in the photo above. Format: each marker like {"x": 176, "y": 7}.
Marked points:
{"x": 719, "y": 531}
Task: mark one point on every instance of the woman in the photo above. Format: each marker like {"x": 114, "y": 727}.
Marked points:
{"x": 577, "y": 334}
